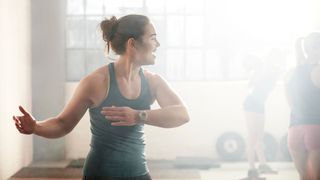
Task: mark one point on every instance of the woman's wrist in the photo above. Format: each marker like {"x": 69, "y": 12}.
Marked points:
{"x": 142, "y": 116}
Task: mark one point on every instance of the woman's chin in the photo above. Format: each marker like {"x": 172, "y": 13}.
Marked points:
{"x": 150, "y": 62}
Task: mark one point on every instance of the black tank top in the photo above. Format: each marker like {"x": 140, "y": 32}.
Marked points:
{"x": 304, "y": 96}
{"x": 118, "y": 151}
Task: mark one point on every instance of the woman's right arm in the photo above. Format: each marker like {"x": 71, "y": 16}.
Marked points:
{"x": 62, "y": 124}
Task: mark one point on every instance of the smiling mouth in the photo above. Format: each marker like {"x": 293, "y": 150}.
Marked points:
{"x": 154, "y": 52}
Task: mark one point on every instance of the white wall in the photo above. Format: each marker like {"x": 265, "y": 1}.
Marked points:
{"x": 48, "y": 69}
{"x": 15, "y": 83}
{"x": 215, "y": 107}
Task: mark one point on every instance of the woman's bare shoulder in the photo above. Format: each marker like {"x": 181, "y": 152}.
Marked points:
{"x": 152, "y": 77}
{"x": 95, "y": 84}
{"x": 100, "y": 74}
{"x": 155, "y": 80}
{"x": 93, "y": 81}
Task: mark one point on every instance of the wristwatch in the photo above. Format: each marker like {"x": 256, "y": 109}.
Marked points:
{"x": 143, "y": 116}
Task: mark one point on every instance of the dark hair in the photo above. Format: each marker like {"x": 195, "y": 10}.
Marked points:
{"x": 311, "y": 42}
{"x": 116, "y": 32}
{"x": 299, "y": 51}
{"x": 305, "y": 46}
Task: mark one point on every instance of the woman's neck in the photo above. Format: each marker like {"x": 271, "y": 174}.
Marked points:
{"x": 126, "y": 69}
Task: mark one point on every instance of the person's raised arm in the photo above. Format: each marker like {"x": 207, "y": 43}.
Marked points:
{"x": 62, "y": 124}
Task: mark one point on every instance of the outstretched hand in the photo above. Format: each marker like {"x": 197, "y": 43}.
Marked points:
{"x": 120, "y": 116}
{"x": 25, "y": 123}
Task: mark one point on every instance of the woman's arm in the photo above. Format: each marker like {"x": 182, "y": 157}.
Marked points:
{"x": 62, "y": 124}
{"x": 173, "y": 112}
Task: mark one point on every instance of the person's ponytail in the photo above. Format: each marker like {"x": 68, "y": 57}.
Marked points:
{"x": 300, "y": 57}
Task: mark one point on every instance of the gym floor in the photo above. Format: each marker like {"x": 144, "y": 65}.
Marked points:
{"x": 160, "y": 170}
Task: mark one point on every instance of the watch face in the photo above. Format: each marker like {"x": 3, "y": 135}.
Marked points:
{"x": 143, "y": 115}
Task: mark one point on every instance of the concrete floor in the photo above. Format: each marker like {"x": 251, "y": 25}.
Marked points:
{"x": 234, "y": 171}
{"x": 165, "y": 171}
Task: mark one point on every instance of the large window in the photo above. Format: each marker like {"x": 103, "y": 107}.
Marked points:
{"x": 200, "y": 40}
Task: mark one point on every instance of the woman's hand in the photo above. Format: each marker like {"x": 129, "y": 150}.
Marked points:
{"x": 26, "y": 123}
{"x": 121, "y": 116}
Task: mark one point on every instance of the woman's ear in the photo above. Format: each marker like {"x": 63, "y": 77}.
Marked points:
{"x": 131, "y": 43}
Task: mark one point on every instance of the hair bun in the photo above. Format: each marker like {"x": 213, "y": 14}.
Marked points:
{"x": 109, "y": 28}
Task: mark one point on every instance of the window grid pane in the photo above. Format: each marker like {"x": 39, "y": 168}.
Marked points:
{"x": 188, "y": 51}
{"x": 75, "y": 7}
{"x": 94, "y": 60}
{"x": 94, "y": 7}
{"x": 175, "y": 31}
{"x": 194, "y": 31}
{"x": 75, "y": 65}
{"x": 93, "y": 33}
{"x": 194, "y": 65}
{"x": 75, "y": 32}
{"x": 175, "y": 64}
{"x": 113, "y": 6}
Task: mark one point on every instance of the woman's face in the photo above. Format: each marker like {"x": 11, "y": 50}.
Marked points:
{"x": 147, "y": 46}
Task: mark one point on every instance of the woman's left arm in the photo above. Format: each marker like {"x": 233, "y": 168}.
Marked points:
{"x": 172, "y": 112}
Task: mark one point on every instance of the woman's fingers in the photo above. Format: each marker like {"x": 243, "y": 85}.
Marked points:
{"x": 115, "y": 111}
{"x": 20, "y": 120}
{"x": 24, "y": 112}
{"x": 113, "y": 114}
{"x": 120, "y": 124}
{"x": 15, "y": 119}
{"x": 119, "y": 116}
{"x": 112, "y": 111}
{"x": 113, "y": 108}
{"x": 18, "y": 124}
{"x": 25, "y": 123}
{"x": 115, "y": 118}
{"x": 20, "y": 129}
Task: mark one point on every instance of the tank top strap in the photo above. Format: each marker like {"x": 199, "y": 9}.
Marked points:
{"x": 143, "y": 78}
{"x": 144, "y": 84}
{"x": 112, "y": 73}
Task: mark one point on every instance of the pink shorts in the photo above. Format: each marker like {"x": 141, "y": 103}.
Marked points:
{"x": 304, "y": 137}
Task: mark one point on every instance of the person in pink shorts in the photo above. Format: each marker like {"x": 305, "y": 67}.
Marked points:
{"x": 303, "y": 92}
